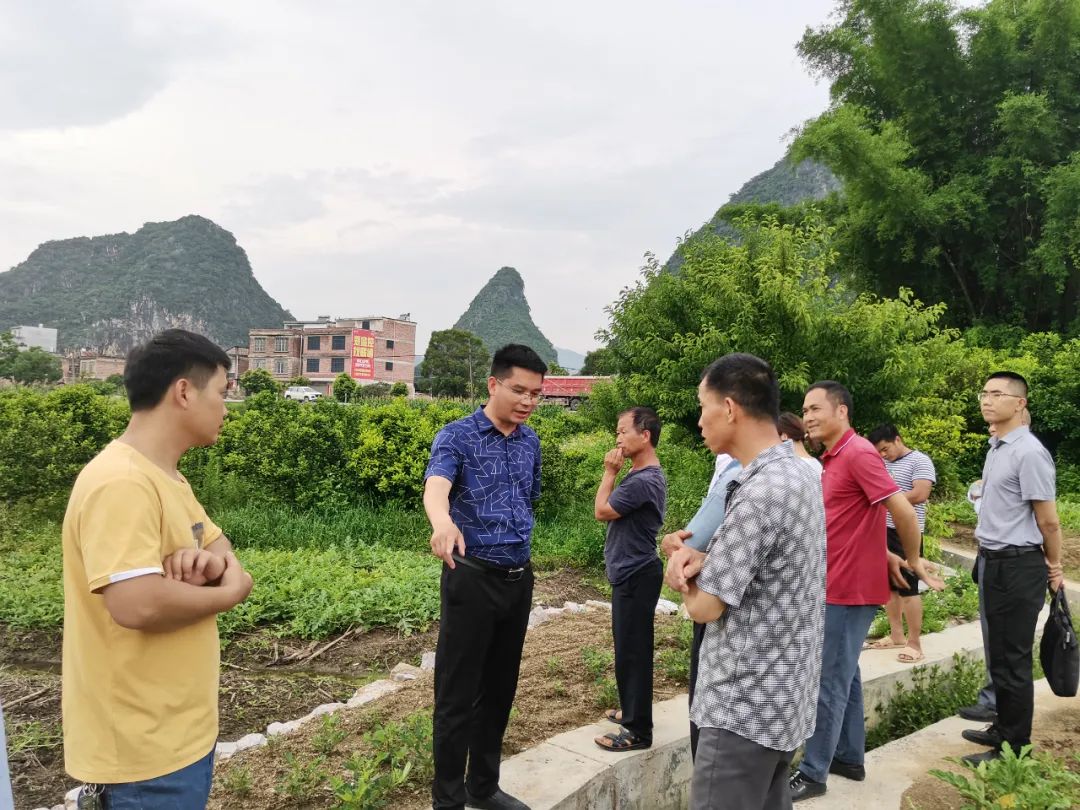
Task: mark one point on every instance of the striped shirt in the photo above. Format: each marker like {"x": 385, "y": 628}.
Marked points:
{"x": 905, "y": 471}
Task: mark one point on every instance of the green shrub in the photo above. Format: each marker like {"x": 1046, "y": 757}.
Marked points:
{"x": 933, "y": 695}
{"x": 1032, "y": 782}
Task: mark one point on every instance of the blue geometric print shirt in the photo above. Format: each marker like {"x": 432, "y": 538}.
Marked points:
{"x": 495, "y": 480}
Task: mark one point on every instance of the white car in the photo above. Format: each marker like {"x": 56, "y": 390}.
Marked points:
{"x": 302, "y": 393}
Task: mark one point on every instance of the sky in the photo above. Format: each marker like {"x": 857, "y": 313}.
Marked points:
{"x": 389, "y": 158}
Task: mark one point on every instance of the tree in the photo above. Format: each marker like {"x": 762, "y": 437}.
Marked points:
{"x": 344, "y": 389}
{"x": 555, "y": 370}
{"x": 257, "y": 380}
{"x": 957, "y": 136}
{"x": 775, "y": 295}
{"x": 399, "y": 389}
{"x": 9, "y": 350}
{"x": 598, "y": 362}
{"x": 300, "y": 381}
{"x": 35, "y": 365}
{"x": 456, "y": 364}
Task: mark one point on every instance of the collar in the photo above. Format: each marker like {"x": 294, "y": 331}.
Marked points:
{"x": 849, "y": 434}
{"x": 485, "y": 425}
{"x": 778, "y": 451}
{"x": 1011, "y": 436}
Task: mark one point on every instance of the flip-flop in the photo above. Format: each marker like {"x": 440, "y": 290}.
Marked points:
{"x": 623, "y": 741}
{"x": 909, "y": 655}
{"x": 613, "y": 716}
{"x": 885, "y": 643}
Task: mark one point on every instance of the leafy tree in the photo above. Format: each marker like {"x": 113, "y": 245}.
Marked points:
{"x": 957, "y": 136}
{"x": 598, "y": 362}
{"x": 372, "y": 390}
{"x": 116, "y": 380}
{"x": 9, "y": 350}
{"x": 399, "y": 389}
{"x": 35, "y": 365}
{"x": 774, "y": 295}
{"x": 257, "y": 380}
{"x": 555, "y": 369}
{"x": 456, "y": 364}
{"x": 344, "y": 388}
{"x": 298, "y": 381}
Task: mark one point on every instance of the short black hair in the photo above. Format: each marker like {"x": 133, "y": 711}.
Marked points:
{"x": 515, "y": 355}
{"x": 748, "y": 380}
{"x": 1009, "y": 375}
{"x": 645, "y": 419}
{"x": 155, "y": 365}
{"x": 837, "y": 394}
{"x": 791, "y": 426}
{"x": 884, "y": 433}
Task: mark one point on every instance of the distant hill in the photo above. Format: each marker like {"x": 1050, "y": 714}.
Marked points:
{"x": 569, "y": 359}
{"x": 109, "y": 293}
{"x": 785, "y": 184}
{"x": 500, "y": 314}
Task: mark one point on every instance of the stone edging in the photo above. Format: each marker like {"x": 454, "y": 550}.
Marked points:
{"x": 370, "y": 692}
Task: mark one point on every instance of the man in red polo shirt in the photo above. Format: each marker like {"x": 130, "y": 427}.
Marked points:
{"x": 858, "y": 491}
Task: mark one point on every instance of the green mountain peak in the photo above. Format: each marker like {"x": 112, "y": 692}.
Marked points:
{"x": 500, "y": 314}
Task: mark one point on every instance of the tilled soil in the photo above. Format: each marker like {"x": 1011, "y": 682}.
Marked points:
{"x": 264, "y": 679}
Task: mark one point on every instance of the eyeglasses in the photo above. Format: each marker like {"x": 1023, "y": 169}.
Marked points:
{"x": 521, "y": 393}
{"x": 994, "y": 396}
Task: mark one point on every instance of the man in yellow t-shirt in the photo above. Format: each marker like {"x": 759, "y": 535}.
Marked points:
{"x": 145, "y": 574}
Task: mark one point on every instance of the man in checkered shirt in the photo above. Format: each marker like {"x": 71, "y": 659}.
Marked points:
{"x": 761, "y": 589}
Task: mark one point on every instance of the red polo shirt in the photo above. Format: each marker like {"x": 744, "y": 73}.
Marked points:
{"x": 854, "y": 484}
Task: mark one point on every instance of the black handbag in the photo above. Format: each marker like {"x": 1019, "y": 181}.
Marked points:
{"x": 1058, "y": 651}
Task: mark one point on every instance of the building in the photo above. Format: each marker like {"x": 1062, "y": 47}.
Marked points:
{"x": 322, "y": 349}
{"x": 87, "y": 365}
{"x": 40, "y": 336}
{"x": 238, "y": 356}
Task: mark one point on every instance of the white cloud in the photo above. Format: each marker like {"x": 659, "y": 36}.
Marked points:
{"x": 390, "y": 158}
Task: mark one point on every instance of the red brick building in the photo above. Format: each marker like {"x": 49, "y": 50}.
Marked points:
{"x": 322, "y": 349}
{"x": 87, "y": 365}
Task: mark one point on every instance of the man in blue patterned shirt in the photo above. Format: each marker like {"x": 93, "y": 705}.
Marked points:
{"x": 480, "y": 484}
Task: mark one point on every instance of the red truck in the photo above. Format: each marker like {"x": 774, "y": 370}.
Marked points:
{"x": 569, "y": 391}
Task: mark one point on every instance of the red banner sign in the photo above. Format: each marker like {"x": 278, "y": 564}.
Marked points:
{"x": 363, "y": 354}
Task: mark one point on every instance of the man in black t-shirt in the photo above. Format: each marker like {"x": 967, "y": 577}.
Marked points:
{"x": 634, "y": 513}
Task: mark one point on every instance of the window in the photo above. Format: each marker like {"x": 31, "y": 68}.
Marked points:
{"x": 260, "y": 345}
{"x": 313, "y": 343}
{"x": 337, "y": 343}
{"x": 281, "y": 344}
{"x": 389, "y": 344}
{"x": 365, "y": 324}
{"x": 258, "y": 362}
{"x": 389, "y": 365}
{"x": 312, "y": 365}
{"x": 337, "y": 364}
{"x": 279, "y": 365}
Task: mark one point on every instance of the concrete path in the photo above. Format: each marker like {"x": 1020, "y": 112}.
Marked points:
{"x": 893, "y": 768}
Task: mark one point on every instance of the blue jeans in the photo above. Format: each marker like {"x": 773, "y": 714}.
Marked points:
{"x": 840, "y": 732}
{"x": 185, "y": 789}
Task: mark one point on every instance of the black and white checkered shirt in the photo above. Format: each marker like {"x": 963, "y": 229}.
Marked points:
{"x": 760, "y": 662}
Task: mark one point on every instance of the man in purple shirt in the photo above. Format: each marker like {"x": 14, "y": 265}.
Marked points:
{"x": 479, "y": 488}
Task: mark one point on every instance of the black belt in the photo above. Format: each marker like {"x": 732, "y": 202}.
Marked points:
{"x": 1007, "y": 553}
{"x": 508, "y": 574}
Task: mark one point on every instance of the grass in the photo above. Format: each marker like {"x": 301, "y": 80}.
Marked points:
{"x": 1019, "y": 780}
{"x": 933, "y": 695}
{"x": 959, "y": 601}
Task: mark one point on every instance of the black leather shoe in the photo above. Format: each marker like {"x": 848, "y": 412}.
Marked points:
{"x": 985, "y": 756}
{"x": 803, "y": 787}
{"x": 978, "y": 713}
{"x": 989, "y": 736}
{"x": 496, "y": 801}
{"x": 856, "y": 773}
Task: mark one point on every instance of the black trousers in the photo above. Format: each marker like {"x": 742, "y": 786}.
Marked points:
{"x": 481, "y": 633}
{"x": 1014, "y": 593}
{"x": 633, "y": 612}
{"x": 695, "y": 651}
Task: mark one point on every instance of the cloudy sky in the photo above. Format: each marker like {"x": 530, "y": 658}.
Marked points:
{"x": 381, "y": 158}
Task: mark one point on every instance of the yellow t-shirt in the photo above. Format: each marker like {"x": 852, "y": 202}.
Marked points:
{"x": 136, "y": 705}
